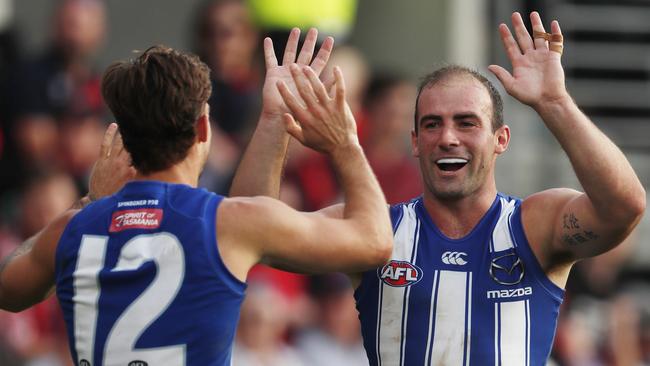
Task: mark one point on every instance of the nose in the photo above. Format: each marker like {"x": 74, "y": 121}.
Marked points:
{"x": 448, "y": 138}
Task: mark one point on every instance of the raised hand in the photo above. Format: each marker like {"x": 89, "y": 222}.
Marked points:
{"x": 113, "y": 168}
{"x": 537, "y": 75}
{"x": 273, "y": 106}
{"x": 325, "y": 121}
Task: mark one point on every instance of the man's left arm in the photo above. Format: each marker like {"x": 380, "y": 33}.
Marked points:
{"x": 573, "y": 225}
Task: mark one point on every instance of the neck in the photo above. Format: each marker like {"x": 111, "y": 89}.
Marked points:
{"x": 184, "y": 172}
{"x": 457, "y": 217}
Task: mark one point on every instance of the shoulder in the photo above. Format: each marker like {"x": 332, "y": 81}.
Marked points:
{"x": 247, "y": 215}
{"x": 47, "y": 240}
{"x": 248, "y": 205}
{"x": 56, "y": 227}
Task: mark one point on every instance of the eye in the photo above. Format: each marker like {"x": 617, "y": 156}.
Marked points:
{"x": 467, "y": 123}
{"x": 431, "y": 124}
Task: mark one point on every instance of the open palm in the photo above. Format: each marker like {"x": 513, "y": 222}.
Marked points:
{"x": 273, "y": 105}
{"x": 537, "y": 74}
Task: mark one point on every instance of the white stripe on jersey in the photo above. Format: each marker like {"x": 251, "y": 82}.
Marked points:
{"x": 86, "y": 294}
{"x": 496, "y": 333}
{"x": 431, "y": 308}
{"x": 449, "y": 333}
{"x": 514, "y": 342}
{"x": 391, "y": 301}
{"x": 501, "y": 239}
{"x": 416, "y": 240}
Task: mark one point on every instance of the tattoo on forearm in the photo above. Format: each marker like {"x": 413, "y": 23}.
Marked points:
{"x": 574, "y": 233}
{"x": 25, "y": 247}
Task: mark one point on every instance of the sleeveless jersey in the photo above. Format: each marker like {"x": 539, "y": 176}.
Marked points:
{"x": 141, "y": 283}
{"x": 479, "y": 300}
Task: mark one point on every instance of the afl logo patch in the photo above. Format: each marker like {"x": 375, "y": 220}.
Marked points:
{"x": 400, "y": 274}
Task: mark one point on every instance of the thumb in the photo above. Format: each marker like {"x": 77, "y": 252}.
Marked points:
{"x": 293, "y": 128}
{"x": 503, "y": 75}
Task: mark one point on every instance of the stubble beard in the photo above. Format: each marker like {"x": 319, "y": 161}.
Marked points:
{"x": 457, "y": 190}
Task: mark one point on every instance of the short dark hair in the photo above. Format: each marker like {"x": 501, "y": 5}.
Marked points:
{"x": 156, "y": 99}
{"x": 381, "y": 84}
{"x": 446, "y": 72}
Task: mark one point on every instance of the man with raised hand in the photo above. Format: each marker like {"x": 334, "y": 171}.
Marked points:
{"x": 476, "y": 277}
{"x": 155, "y": 273}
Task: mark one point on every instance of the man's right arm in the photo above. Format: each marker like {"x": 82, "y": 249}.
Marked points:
{"x": 260, "y": 169}
{"x": 262, "y": 228}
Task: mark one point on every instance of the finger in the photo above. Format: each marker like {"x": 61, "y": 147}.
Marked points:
{"x": 538, "y": 26}
{"x": 307, "y": 50}
{"x": 330, "y": 83}
{"x": 107, "y": 141}
{"x": 509, "y": 43}
{"x": 339, "y": 86}
{"x": 320, "y": 61}
{"x": 291, "y": 101}
{"x": 269, "y": 54}
{"x": 292, "y": 46}
{"x": 316, "y": 85}
{"x": 523, "y": 37}
{"x": 557, "y": 41}
{"x": 503, "y": 75}
{"x": 293, "y": 128}
{"x": 304, "y": 87}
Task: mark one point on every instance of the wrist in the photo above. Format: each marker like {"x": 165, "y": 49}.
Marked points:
{"x": 553, "y": 105}
{"x": 345, "y": 150}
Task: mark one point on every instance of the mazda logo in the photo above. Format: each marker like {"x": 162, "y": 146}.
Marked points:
{"x": 507, "y": 269}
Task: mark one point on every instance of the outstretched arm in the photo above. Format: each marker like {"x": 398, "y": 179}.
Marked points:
{"x": 260, "y": 170}
{"x": 313, "y": 242}
{"x": 569, "y": 225}
{"x": 27, "y": 274}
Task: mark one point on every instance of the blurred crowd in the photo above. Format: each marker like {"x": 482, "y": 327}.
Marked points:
{"x": 51, "y": 122}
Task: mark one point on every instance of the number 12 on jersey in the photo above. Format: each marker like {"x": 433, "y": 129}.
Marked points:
{"x": 166, "y": 252}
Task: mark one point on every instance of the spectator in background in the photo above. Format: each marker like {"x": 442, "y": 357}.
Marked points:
{"x": 8, "y": 54}
{"x": 336, "y": 338}
{"x": 388, "y": 111}
{"x": 37, "y": 336}
{"x": 62, "y": 81}
{"x": 606, "y": 312}
{"x": 227, "y": 41}
{"x": 79, "y": 136}
{"x": 263, "y": 323}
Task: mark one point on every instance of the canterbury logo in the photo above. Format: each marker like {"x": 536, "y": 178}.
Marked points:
{"x": 454, "y": 258}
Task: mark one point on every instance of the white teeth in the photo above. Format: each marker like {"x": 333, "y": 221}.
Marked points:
{"x": 451, "y": 161}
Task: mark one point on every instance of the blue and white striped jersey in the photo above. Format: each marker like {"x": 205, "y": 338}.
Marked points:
{"x": 141, "y": 283}
{"x": 479, "y": 300}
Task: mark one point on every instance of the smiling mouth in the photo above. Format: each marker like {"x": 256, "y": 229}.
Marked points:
{"x": 451, "y": 164}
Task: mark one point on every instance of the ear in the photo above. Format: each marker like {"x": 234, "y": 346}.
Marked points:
{"x": 414, "y": 144}
{"x": 501, "y": 139}
{"x": 203, "y": 126}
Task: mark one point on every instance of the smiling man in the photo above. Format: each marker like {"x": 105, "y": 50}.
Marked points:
{"x": 476, "y": 277}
